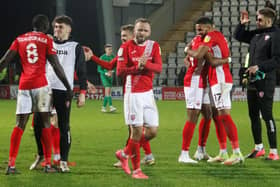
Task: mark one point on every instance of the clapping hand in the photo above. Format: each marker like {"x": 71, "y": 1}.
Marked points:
{"x": 142, "y": 62}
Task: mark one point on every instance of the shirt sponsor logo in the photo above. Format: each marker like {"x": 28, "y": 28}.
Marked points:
{"x": 33, "y": 38}
{"x": 138, "y": 58}
{"x": 62, "y": 52}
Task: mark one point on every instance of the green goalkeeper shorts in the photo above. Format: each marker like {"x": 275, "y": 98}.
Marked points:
{"x": 106, "y": 81}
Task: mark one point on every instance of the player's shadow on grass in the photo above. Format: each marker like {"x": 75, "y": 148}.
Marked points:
{"x": 232, "y": 172}
{"x": 277, "y": 119}
{"x": 272, "y": 163}
{"x": 111, "y": 113}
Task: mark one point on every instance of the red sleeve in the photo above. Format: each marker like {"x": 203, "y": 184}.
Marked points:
{"x": 14, "y": 46}
{"x": 208, "y": 41}
{"x": 122, "y": 69}
{"x": 104, "y": 64}
{"x": 156, "y": 65}
{"x": 50, "y": 49}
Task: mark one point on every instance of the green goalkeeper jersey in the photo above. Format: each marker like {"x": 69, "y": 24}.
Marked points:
{"x": 106, "y": 80}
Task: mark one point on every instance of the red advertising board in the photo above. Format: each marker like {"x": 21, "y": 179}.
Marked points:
{"x": 97, "y": 96}
{"x": 173, "y": 93}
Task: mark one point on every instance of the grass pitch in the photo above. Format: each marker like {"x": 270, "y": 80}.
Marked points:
{"x": 96, "y": 136}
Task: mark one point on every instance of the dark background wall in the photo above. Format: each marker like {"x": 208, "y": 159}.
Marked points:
{"x": 16, "y": 17}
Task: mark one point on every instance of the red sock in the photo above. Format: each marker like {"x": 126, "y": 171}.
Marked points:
{"x": 55, "y": 139}
{"x": 46, "y": 143}
{"x": 145, "y": 144}
{"x": 128, "y": 148}
{"x": 14, "y": 146}
{"x": 135, "y": 154}
{"x": 220, "y": 132}
{"x": 231, "y": 130}
{"x": 187, "y": 135}
{"x": 204, "y": 127}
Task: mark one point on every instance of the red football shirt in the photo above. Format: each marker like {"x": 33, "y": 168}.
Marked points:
{"x": 216, "y": 41}
{"x": 193, "y": 68}
{"x": 128, "y": 57}
{"x": 33, "y": 48}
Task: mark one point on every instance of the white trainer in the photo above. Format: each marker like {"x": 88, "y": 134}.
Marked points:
{"x": 117, "y": 164}
{"x": 148, "y": 160}
{"x": 64, "y": 167}
{"x": 186, "y": 159}
{"x": 112, "y": 109}
{"x": 201, "y": 156}
{"x": 37, "y": 162}
{"x": 103, "y": 109}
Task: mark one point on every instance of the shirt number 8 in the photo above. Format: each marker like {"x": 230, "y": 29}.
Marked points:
{"x": 32, "y": 53}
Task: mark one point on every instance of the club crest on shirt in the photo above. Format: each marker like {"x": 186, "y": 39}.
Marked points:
{"x": 132, "y": 117}
{"x": 120, "y": 52}
{"x": 266, "y": 37}
{"x": 207, "y": 39}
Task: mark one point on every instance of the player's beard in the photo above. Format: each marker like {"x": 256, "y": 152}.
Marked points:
{"x": 140, "y": 39}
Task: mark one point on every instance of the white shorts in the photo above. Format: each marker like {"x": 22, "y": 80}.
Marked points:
{"x": 196, "y": 96}
{"x": 140, "y": 109}
{"x": 34, "y": 100}
{"x": 220, "y": 96}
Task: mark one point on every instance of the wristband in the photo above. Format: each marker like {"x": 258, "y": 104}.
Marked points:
{"x": 229, "y": 59}
{"x": 186, "y": 49}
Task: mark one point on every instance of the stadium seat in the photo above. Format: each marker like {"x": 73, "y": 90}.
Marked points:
{"x": 216, "y": 4}
{"x": 225, "y": 3}
{"x": 225, "y": 21}
{"x": 180, "y": 48}
{"x": 234, "y": 3}
{"x": 171, "y": 58}
{"x": 208, "y": 14}
{"x": 234, "y": 11}
{"x": 217, "y": 14}
{"x": 252, "y": 2}
{"x": 217, "y": 21}
{"x": 244, "y": 3}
